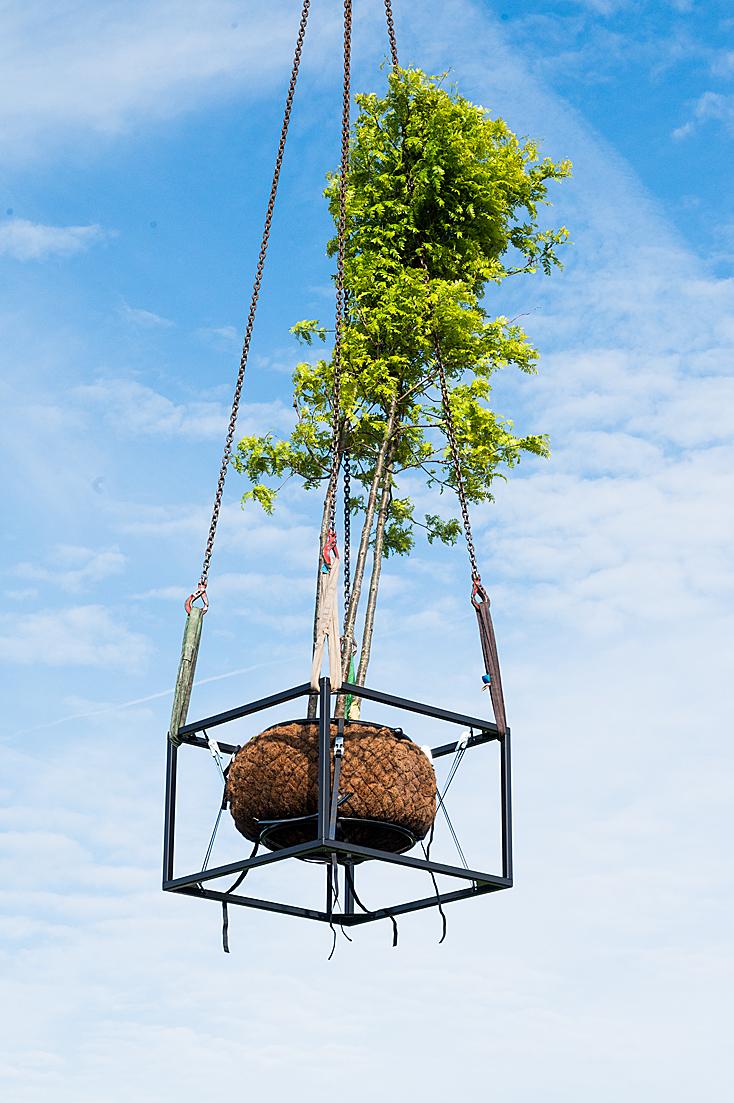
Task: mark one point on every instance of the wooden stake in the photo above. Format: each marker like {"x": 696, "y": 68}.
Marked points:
{"x": 186, "y": 672}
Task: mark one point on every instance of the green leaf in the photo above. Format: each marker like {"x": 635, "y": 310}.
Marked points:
{"x": 442, "y": 205}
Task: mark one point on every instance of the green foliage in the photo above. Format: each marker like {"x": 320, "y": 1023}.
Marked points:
{"x": 445, "y": 531}
{"x": 442, "y": 203}
{"x": 306, "y": 330}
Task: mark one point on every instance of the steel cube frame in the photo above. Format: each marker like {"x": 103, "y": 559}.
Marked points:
{"x": 325, "y": 844}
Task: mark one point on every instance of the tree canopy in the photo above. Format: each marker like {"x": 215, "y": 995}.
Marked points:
{"x": 442, "y": 202}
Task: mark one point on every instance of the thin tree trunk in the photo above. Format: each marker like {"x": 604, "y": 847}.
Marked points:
{"x": 364, "y": 542}
{"x": 361, "y": 561}
{"x": 369, "y": 618}
{"x": 313, "y": 700}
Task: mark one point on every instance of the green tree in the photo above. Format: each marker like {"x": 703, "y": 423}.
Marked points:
{"x": 442, "y": 201}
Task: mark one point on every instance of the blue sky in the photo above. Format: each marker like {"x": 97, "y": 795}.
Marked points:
{"x": 135, "y": 153}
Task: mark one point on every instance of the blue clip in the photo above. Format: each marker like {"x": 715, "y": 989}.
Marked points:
{"x": 487, "y": 679}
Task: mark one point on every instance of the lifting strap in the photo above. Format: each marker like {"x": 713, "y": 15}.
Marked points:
{"x": 186, "y": 672}
{"x": 493, "y": 678}
{"x": 327, "y": 624}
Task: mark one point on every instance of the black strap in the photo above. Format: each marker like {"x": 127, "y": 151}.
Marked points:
{"x": 390, "y": 916}
{"x": 225, "y": 927}
{"x": 236, "y": 884}
{"x": 427, "y": 853}
{"x": 332, "y": 876}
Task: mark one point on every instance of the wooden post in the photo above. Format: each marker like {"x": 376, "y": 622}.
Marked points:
{"x": 186, "y": 672}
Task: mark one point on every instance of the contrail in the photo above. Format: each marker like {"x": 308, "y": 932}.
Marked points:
{"x": 150, "y": 697}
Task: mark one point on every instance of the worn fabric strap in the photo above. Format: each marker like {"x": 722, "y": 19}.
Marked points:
{"x": 327, "y": 627}
{"x": 491, "y": 661}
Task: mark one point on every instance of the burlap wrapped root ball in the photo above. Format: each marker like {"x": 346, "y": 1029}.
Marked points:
{"x": 388, "y": 779}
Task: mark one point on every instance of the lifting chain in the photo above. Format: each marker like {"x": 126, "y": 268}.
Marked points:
{"x": 450, "y": 426}
{"x": 454, "y": 449}
{"x": 448, "y": 415}
{"x": 391, "y": 34}
{"x": 347, "y": 531}
{"x": 227, "y": 454}
{"x": 336, "y": 445}
{"x": 340, "y": 312}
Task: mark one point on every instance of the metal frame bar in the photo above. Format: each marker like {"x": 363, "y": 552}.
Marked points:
{"x": 324, "y": 766}
{"x": 323, "y": 845}
{"x": 406, "y": 705}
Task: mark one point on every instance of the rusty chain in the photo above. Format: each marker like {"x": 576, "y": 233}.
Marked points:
{"x": 454, "y": 449}
{"x": 347, "y": 531}
{"x": 345, "y": 149}
{"x": 336, "y": 445}
{"x": 450, "y": 426}
{"x": 391, "y": 34}
{"x": 478, "y": 590}
{"x": 227, "y": 454}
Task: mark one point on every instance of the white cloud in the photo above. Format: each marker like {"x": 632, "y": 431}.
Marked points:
{"x": 27, "y": 594}
{"x": 136, "y": 410}
{"x": 283, "y": 360}
{"x": 270, "y": 588}
{"x": 24, "y": 240}
{"x": 612, "y": 564}
{"x": 710, "y": 107}
{"x": 286, "y": 536}
{"x": 604, "y": 7}
{"x": 85, "y": 635}
{"x": 683, "y": 131}
{"x": 98, "y": 68}
{"x": 146, "y": 319}
{"x": 225, "y": 337}
{"x": 722, "y": 64}
{"x": 74, "y": 569}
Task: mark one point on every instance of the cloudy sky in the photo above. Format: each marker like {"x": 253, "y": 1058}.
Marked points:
{"x": 136, "y": 144}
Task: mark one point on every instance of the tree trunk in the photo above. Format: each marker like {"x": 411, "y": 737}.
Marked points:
{"x": 313, "y": 700}
{"x": 364, "y": 542}
{"x": 369, "y": 618}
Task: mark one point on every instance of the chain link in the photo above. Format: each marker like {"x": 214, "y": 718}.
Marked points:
{"x": 445, "y": 400}
{"x": 340, "y": 290}
{"x": 478, "y": 590}
{"x": 340, "y": 277}
{"x": 227, "y": 454}
{"x": 347, "y": 531}
{"x": 454, "y": 448}
{"x": 450, "y": 427}
{"x": 391, "y": 34}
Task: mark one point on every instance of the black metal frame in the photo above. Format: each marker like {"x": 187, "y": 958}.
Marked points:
{"x": 325, "y": 844}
